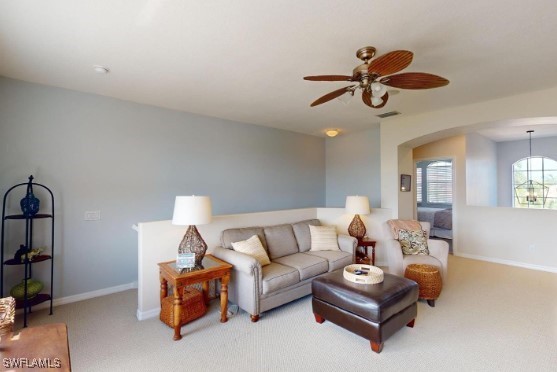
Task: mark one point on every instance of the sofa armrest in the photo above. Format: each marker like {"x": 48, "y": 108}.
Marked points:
{"x": 347, "y": 243}
{"x": 245, "y": 285}
{"x": 395, "y": 258}
{"x": 241, "y": 262}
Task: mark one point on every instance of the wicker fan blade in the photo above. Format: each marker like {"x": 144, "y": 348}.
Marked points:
{"x": 328, "y": 78}
{"x": 329, "y": 96}
{"x": 391, "y": 62}
{"x": 414, "y": 80}
{"x": 366, "y": 97}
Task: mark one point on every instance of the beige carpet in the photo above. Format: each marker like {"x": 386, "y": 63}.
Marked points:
{"x": 489, "y": 317}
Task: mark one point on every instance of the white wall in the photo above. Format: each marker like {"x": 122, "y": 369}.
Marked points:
{"x": 353, "y": 167}
{"x": 480, "y": 231}
{"x": 481, "y": 171}
{"x": 130, "y": 161}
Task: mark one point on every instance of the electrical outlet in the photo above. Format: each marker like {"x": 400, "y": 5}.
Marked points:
{"x": 92, "y": 215}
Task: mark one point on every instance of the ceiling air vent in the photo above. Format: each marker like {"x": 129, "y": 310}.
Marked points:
{"x": 387, "y": 114}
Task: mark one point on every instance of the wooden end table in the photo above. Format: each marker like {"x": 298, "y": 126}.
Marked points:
{"x": 213, "y": 268}
{"x": 362, "y": 257}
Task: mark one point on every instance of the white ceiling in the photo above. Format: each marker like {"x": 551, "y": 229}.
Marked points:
{"x": 244, "y": 60}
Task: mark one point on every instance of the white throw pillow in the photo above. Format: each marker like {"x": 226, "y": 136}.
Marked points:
{"x": 323, "y": 238}
{"x": 254, "y": 248}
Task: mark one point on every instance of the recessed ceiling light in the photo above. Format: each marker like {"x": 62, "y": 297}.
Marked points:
{"x": 332, "y": 132}
{"x": 100, "y": 69}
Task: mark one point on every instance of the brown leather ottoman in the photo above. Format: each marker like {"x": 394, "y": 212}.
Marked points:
{"x": 373, "y": 311}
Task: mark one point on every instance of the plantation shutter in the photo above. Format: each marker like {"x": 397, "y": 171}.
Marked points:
{"x": 419, "y": 184}
{"x": 439, "y": 182}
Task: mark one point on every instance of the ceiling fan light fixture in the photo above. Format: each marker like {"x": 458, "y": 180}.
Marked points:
{"x": 375, "y": 75}
{"x": 378, "y": 89}
{"x": 376, "y": 101}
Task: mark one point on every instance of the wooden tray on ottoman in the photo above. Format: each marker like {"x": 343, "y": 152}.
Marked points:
{"x": 193, "y": 307}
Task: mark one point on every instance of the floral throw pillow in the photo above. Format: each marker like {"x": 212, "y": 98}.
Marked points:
{"x": 413, "y": 242}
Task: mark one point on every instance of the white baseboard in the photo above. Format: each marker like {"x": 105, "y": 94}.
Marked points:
{"x": 143, "y": 315}
{"x": 508, "y": 262}
{"x": 85, "y": 296}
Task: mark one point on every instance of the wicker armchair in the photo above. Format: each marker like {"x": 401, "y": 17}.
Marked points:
{"x": 7, "y": 314}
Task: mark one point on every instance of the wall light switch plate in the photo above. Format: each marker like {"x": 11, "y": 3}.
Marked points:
{"x": 92, "y": 215}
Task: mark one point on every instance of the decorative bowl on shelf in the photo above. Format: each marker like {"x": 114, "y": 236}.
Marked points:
{"x": 34, "y": 287}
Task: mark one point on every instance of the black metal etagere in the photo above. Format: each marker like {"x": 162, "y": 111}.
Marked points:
{"x": 26, "y": 303}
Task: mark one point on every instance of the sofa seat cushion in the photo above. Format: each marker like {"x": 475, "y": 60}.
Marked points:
{"x": 280, "y": 241}
{"x": 276, "y": 276}
{"x": 301, "y": 231}
{"x": 308, "y": 266}
{"x": 336, "y": 259}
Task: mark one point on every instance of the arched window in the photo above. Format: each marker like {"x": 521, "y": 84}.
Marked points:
{"x": 535, "y": 183}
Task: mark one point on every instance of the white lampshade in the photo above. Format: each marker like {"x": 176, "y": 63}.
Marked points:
{"x": 357, "y": 205}
{"x": 192, "y": 210}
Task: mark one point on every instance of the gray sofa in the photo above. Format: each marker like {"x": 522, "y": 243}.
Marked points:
{"x": 293, "y": 266}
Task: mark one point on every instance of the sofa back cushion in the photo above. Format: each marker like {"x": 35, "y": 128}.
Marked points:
{"x": 301, "y": 231}
{"x": 235, "y": 235}
{"x": 280, "y": 241}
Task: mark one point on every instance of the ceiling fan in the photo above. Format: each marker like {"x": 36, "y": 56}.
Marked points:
{"x": 373, "y": 77}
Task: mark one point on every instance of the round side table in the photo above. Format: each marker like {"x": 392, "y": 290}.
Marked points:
{"x": 429, "y": 281}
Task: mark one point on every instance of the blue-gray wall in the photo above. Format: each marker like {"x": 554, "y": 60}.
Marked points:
{"x": 354, "y": 167}
{"x": 129, "y": 161}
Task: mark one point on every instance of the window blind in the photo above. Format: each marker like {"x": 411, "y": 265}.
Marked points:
{"x": 439, "y": 178}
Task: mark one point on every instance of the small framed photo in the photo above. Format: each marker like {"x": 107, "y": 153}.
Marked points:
{"x": 405, "y": 182}
{"x": 185, "y": 260}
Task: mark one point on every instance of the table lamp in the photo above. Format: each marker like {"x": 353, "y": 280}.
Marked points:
{"x": 357, "y": 205}
{"x": 192, "y": 210}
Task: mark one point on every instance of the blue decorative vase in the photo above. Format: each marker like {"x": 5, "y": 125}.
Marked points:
{"x": 30, "y": 204}
{"x": 34, "y": 287}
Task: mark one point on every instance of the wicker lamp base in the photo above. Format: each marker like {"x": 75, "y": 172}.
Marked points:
{"x": 357, "y": 229}
{"x": 193, "y": 243}
{"x": 193, "y": 307}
